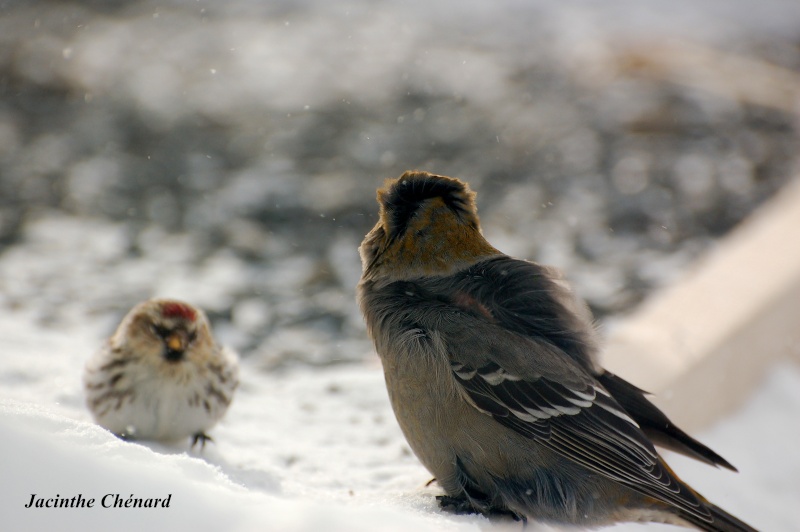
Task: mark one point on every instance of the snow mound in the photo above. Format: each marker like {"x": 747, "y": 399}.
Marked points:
{"x": 49, "y": 456}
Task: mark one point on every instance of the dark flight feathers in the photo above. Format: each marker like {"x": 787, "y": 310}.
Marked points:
{"x": 655, "y": 424}
{"x": 604, "y": 426}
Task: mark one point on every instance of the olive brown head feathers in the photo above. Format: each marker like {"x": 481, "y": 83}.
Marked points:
{"x": 428, "y": 224}
{"x": 406, "y": 198}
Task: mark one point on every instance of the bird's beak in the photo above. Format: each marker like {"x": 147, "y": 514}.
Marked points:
{"x": 177, "y": 341}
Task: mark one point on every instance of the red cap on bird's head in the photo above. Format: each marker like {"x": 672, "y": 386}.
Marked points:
{"x": 174, "y": 309}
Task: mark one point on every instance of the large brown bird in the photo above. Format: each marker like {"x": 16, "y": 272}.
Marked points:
{"x": 491, "y": 366}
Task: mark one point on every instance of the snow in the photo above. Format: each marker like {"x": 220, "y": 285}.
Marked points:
{"x": 761, "y": 441}
{"x": 306, "y": 451}
{"x": 69, "y": 457}
{"x": 301, "y": 449}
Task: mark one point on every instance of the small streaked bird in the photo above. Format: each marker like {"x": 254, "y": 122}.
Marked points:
{"x": 492, "y": 372}
{"x": 161, "y": 376}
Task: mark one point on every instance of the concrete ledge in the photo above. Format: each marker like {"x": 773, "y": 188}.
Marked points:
{"x": 728, "y": 75}
{"x": 702, "y": 345}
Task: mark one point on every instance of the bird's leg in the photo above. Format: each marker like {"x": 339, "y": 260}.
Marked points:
{"x": 463, "y": 506}
{"x": 457, "y": 505}
{"x": 201, "y": 438}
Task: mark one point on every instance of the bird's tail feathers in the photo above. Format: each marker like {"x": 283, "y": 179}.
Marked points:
{"x": 722, "y": 521}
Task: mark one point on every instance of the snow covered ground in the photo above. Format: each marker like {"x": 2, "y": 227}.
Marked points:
{"x": 299, "y": 450}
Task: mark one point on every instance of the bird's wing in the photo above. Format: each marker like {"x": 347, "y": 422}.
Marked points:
{"x": 530, "y": 300}
{"x": 521, "y": 356}
{"x": 535, "y": 301}
{"x": 655, "y": 424}
{"x": 578, "y": 420}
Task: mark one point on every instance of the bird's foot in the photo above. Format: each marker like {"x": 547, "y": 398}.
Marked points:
{"x": 201, "y": 438}
{"x": 462, "y": 506}
{"x": 456, "y": 505}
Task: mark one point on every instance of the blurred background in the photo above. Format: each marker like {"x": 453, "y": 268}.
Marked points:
{"x": 228, "y": 152}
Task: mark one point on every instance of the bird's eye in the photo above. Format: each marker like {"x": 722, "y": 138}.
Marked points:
{"x": 162, "y": 332}
{"x": 193, "y": 336}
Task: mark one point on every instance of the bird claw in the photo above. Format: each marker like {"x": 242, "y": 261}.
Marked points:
{"x": 462, "y": 506}
{"x": 457, "y": 505}
{"x": 201, "y": 438}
